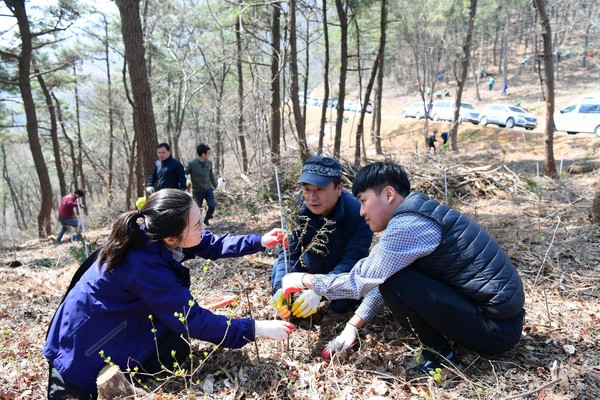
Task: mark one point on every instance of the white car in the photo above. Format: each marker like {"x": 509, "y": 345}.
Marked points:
{"x": 583, "y": 115}
{"x": 443, "y": 110}
{"x": 507, "y": 116}
{"x": 415, "y": 110}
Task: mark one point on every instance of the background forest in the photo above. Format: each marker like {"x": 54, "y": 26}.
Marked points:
{"x": 88, "y": 88}
{"x": 236, "y": 75}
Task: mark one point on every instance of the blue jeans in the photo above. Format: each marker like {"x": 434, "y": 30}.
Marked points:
{"x": 209, "y": 196}
{"x": 66, "y": 223}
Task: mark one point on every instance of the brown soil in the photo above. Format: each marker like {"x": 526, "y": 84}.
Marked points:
{"x": 543, "y": 225}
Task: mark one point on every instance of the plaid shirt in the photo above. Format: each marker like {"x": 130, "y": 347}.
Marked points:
{"x": 407, "y": 238}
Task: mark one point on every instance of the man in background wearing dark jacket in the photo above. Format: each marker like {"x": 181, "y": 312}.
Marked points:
{"x": 444, "y": 277}
{"x": 203, "y": 180}
{"x": 167, "y": 173}
{"x": 329, "y": 236}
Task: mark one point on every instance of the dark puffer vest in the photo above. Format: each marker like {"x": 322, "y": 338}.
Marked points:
{"x": 468, "y": 259}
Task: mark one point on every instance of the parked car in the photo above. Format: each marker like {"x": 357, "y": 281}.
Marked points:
{"x": 416, "y": 110}
{"x": 355, "y": 106}
{"x": 443, "y": 110}
{"x": 507, "y": 116}
{"x": 315, "y": 101}
{"x": 582, "y": 115}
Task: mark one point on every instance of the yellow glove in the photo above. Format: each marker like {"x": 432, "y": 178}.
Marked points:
{"x": 279, "y": 302}
{"x": 306, "y": 305}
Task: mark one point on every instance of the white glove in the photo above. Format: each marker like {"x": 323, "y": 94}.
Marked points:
{"x": 273, "y": 329}
{"x": 149, "y": 190}
{"x": 292, "y": 283}
{"x": 343, "y": 342}
{"x": 279, "y": 304}
{"x": 306, "y": 305}
{"x": 273, "y": 237}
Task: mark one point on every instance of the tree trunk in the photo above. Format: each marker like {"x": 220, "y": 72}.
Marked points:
{"x": 17, "y": 7}
{"x": 464, "y": 69}
{"x": 53, "y": 131}
{"x": 143, "y": 114}
{"x": 596, "y": 209}
{"x": 16, "y": 199}
{"x": 82, "y": 184}
{"x": 361, "y": 121}
{"x": 111, "y": 119}
{"x": 343, "y": 20}
{"x": 325, "y": 80}
{"x": 276, "y": 62}
{"x": 381, "y": 62}
{"x": 241, "y": 135}
{"x": 294, "y": 88}
{"x": 548, "y": 85}
{"x": 67, "y": 138}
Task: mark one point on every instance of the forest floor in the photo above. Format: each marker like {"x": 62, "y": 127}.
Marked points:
{"x": 495, "y": 178}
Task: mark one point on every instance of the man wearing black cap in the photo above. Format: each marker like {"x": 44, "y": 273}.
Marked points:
{"x": 329, "y": 216}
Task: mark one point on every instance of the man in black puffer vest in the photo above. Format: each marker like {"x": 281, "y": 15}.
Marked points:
{"x": 442, "y": 275}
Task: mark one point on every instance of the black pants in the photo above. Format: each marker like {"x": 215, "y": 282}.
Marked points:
{"x": 437, "y": 313}
{"x": 59, "y": 388}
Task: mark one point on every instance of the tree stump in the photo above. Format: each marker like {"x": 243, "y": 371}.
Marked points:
{"x": 581, "y": 168}
{"x": 596, "y": 208}
{"x": 112, "y": 384}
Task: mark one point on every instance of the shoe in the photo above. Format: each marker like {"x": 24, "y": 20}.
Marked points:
{"x": 431, "y": 366}
{"x": 207, "y": 224}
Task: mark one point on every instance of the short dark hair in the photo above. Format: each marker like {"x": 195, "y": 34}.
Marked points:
{"x": 165, "y": 145}
{"x": 378, "y": 175}
{"x": 79, "y": 193}
{"x": 202, "y": 149}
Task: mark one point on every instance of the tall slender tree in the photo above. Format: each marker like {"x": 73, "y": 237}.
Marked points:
{"x": 276, "y": 62}
{"x": 17, "y": 8}
{"x": 461, "y": 77}
{"x": 342, "y": 12}
{"x": 143, "y": 111}
{"x": 295, "y": 85}
{"x": 548, "y": 85}
{"x": 240, "y": 71}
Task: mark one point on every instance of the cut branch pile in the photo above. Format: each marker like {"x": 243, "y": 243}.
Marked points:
{"x": 461, "y": 182}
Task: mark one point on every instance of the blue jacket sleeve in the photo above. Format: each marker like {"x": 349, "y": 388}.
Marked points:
{"x": 181, "y": 176}
{"x": 214, "y": 247}
{"x": 152, "y": 177}
{"x": 164, "y": 295}
{"x": 356, "y": 248}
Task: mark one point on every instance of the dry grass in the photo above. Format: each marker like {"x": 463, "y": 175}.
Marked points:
{"x": 542, "y": 224}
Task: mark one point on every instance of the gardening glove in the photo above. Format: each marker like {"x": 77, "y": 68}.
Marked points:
{"x": 273, "y": 329}
{"x": 292, "y": 283}
{"x": 273, "y": 237}
{"x": 150, "y": 190}
{"x": 306, "y": 305}
{"x": 343, "y": 342}
{"x": 278, "y": 302}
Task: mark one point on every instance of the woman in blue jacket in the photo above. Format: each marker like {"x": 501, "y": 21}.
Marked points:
{"x": 127, "y": 305}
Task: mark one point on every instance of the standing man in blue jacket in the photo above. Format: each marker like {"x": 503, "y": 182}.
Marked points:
{"x": 330, "y": 237}
{"x": 444, "y": 277}
{"x": 168, "y": 172}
